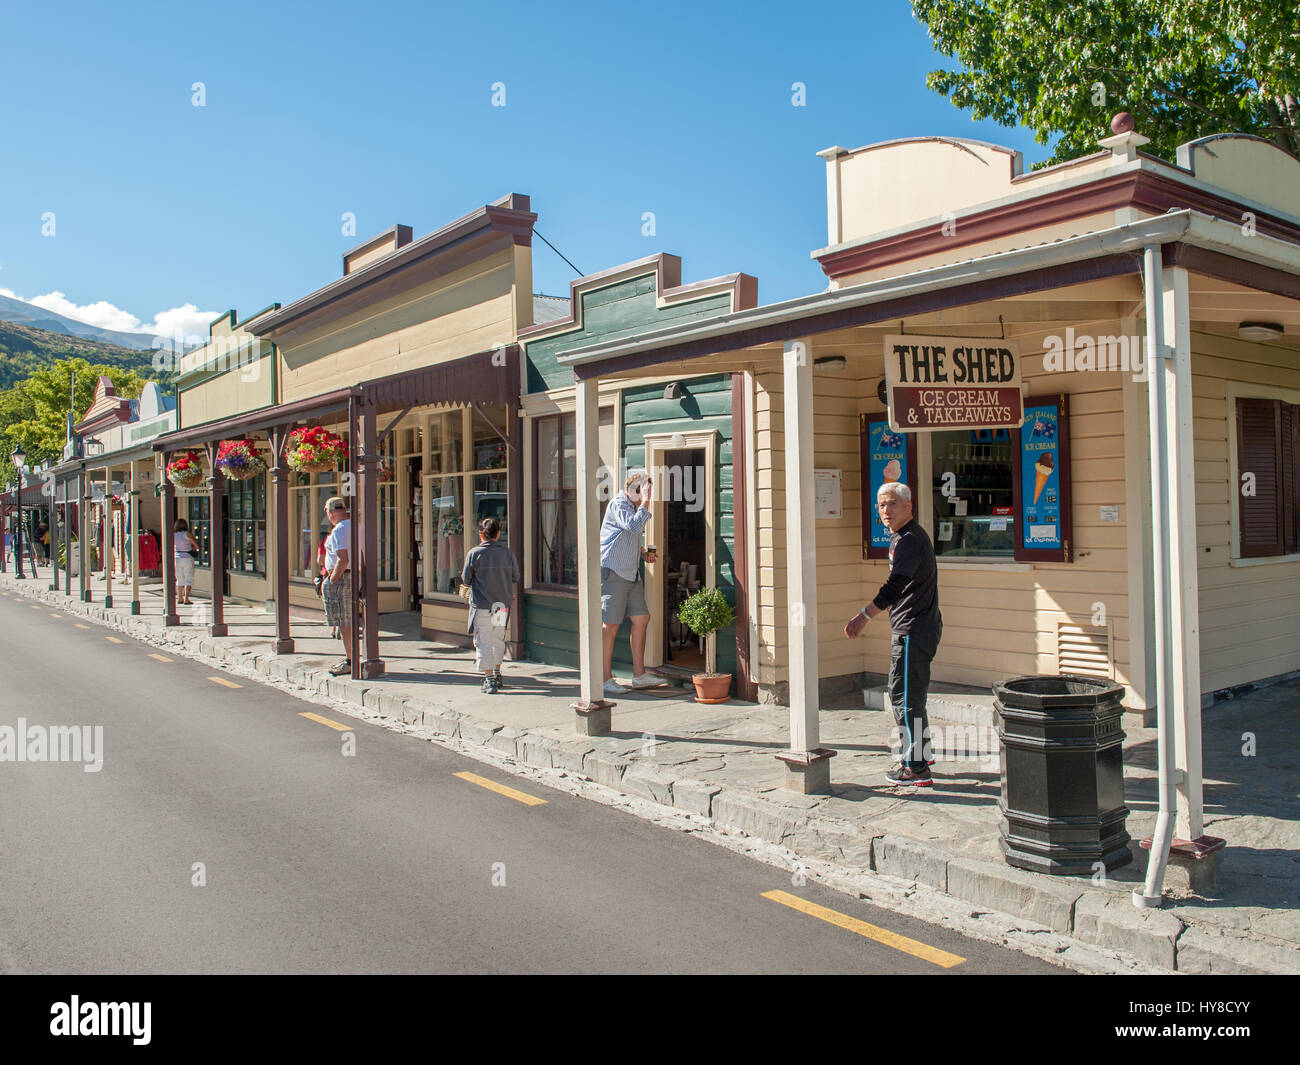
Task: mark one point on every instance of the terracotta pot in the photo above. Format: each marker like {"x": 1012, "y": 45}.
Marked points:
{"x": 712, "y": 689}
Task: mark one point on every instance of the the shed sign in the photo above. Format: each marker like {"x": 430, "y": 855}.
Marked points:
{"x": 953, "y": 383}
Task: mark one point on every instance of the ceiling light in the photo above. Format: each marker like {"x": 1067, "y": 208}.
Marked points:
{"x": 830, "y": 363}
{"x": 1260, "y": 330}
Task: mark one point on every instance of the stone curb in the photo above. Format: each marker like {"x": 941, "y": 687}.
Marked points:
{"x": 1103, "y": 917}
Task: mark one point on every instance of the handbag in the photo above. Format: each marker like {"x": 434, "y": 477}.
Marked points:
{"x": 465, "y": 592}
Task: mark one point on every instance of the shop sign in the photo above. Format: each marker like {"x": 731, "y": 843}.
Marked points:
{"x": 952, "y": 383}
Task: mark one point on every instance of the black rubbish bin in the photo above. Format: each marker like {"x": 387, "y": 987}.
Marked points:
{"x": 1062, "y": 747}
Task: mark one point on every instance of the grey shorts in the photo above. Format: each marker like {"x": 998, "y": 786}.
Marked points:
{"x": 338, "y": 601}
{"x": 620, "y": 598}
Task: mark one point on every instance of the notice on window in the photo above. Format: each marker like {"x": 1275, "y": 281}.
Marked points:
{"x": 945, "y": 530}
{"x": 1040, "y": 479}
{"x": 997, "y": 523}
{"x": 952, "y": 383}
{"x": 829, "y": 497}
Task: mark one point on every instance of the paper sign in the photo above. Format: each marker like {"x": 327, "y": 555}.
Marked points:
{"x": 828, "y": 496}
{"x": 1110, "y": 514}
{"x": 959, "y": 508}
{"x": 945, "y": 530}
{"x": 997, "y": 524}
{"x": 952, "y": 383}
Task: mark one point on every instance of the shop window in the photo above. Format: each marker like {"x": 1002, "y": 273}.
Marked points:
{"x": 997, "y": 494}
{"x": 1268, "y": 477}
{"x": 197, "y": 510}
{"x": 555, "y": 501}
{"x": 466, "y": 479}
{"x": 974, "y": 515}
{"x": 246, "y": 525}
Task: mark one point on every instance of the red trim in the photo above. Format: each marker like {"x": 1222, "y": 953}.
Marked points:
{"x": 1152, "y": 192}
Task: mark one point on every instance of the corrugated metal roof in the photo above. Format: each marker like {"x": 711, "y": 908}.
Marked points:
{"x": 548, "y": 309}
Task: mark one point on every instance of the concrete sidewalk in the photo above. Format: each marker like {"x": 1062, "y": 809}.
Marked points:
{"x": 717, "y": 763}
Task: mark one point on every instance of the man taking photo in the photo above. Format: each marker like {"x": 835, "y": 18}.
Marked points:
{"x": 911, "y": 595}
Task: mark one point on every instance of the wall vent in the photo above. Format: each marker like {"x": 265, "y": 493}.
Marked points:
{"x": 1085, "y": 649}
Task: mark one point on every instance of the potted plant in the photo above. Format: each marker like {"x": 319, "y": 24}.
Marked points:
{"x": 314, "y": 449}
{"x": 186, "y": 471}
{"x": 704, "y": 613}
{"x": 239, "y": 459}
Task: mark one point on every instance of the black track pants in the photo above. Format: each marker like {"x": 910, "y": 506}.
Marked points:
{"x": 909, "y": 685}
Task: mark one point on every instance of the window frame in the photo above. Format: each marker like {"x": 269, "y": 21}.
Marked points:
{"x": 1281, "y": 398}
{"x": 560, "y": 489}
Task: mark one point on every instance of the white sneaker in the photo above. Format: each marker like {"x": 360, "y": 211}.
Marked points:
{"x": 646, "y": 680}
{"x": 613, "y": 687}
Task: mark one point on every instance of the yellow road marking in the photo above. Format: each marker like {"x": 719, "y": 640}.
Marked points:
{"x": 54, "y": 615}
{"x": 326, "y": 721}
{"x": 870, "y": 931}
{"x": 501, "y": 789}
{"x": 159, "y": 658}
{"x": 36, "y": 606}
{"x": 113, "y": 639}
{"x": 80, "y": 625}
{"x": 224, "y": 683}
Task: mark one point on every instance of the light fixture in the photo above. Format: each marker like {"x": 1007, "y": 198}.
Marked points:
{"x": 19, "y": 456}
{"x": 677, "y": 441}
{"x": 1260, "y": 330}
{"x": 674, "y": 391}
{"x": 830, "y": 363}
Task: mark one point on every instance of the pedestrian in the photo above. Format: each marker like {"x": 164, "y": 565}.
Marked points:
{"x": 622, "y": 591}
{"x": 911, "y": 595}
{"x": 337, "y": 589}
{"x": 185, "y": 550}
{"x": 491, "y": 572}
{"x": 43, "y": 540}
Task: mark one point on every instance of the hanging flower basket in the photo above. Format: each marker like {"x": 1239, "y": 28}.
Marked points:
{"x": 316, "y": 450}
{"x": 186, "y": 471}
{"x": 239, "y": 460}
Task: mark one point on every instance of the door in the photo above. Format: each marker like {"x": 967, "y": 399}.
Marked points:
{"x": 415, "y": 512}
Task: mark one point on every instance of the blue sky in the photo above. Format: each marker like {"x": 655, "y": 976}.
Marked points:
{"x": 385, "y": 110}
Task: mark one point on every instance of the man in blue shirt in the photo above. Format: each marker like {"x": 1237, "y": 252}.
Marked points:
{"x": 622, "y": 592}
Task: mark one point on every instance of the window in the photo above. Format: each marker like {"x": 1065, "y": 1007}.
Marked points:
{"x": 555, "y": 501}
{"x": 197, "y": 508}
{"x": 465, "y": 480}
{"x": 1268, "y": 472}
{"x": 973, "y": 512}
{"x": 246, "y": 525}
{"x": 386, "y": 498}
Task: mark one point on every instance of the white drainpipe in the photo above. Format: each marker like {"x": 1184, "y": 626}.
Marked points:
{"x": 1157, "y": 352}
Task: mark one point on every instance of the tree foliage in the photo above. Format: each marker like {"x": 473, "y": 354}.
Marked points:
{"x": 1182, "y": 68}
{"x": 34, "y": 411}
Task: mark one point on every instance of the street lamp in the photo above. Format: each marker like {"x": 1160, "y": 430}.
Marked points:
{"x": 19, "y": 457}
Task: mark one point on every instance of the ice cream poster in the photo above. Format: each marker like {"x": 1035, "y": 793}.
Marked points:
{"x": 888, "y": 462}
{"x": 1040, "y": 479}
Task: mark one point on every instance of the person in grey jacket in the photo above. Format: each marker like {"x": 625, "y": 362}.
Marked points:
{"x": 491, "y": 571}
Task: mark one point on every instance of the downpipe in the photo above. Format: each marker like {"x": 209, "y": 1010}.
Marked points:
{"x": 1151, "y": 895}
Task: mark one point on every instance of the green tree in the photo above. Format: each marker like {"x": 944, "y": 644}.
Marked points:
{"x": 1182, "y": 68}
{"x": 34, "y": 411}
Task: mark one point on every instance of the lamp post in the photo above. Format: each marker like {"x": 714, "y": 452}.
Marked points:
{"x": 19, "y": 457}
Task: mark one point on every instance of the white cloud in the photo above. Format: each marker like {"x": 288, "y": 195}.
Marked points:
{"x": 187, "y": 319}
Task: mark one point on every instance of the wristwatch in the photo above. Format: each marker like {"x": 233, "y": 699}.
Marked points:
{"x": 864, "y": 613}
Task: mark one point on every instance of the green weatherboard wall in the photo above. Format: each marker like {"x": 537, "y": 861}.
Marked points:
{"x": 611, "y": 313}
{"x": 551, "y": 622}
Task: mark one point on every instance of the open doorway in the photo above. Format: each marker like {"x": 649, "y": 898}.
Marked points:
{"x": 684, "y": 552}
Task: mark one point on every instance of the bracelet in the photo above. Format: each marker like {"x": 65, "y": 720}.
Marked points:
{"x": 864, "y": 613}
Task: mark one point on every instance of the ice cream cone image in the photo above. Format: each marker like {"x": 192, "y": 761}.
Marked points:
{"x": 1043, "y": 469}
{"x": 893, "y": 471}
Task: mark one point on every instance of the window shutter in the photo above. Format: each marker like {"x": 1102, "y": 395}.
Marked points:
{"x": 1259, "y": 453}
{"x": 1290, "y": 477}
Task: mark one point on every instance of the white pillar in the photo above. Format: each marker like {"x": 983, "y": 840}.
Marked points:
{"x": 593, "y": 711}
{"x": 808, "y": 768}
{"x": 1182, "y": 556}
{"x": 107, "y": 546}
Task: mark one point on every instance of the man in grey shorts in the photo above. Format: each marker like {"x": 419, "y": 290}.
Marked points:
{"x": 622, "y": 592}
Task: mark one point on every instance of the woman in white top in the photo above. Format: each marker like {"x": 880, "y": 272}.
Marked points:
{"x": 185, "y": 549}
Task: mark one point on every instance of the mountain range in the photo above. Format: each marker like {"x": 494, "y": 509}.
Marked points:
{"x": 24, "y": 349}
{"x": 13, "y": 310}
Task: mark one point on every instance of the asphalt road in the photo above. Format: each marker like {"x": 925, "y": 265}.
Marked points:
{"x": 381, "y": 861}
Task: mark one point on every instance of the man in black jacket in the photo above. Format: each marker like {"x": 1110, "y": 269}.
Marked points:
{"x": 911, "y": 595}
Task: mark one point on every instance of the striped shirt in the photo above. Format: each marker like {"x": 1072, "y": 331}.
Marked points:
{"x": 620, "y": 536}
